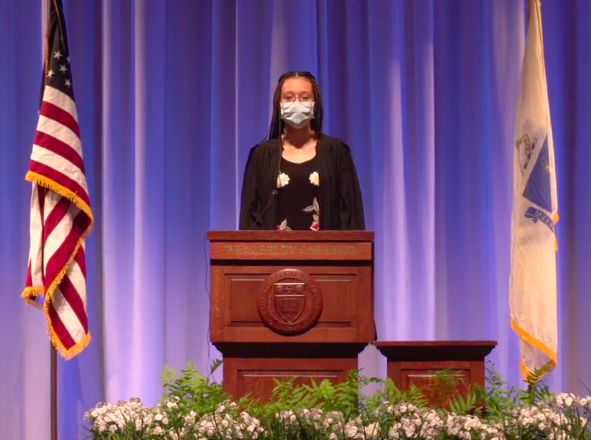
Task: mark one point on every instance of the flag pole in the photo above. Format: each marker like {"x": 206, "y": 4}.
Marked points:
{"x": 52, "y": 351}
{"x": 53, "y": 391}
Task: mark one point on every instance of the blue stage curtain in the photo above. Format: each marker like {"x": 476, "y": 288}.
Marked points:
{"x": 171, "y": 96}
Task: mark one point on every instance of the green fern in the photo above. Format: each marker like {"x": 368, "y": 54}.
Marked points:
{"x": 538, "y": 374}
{"x": 201, "y": 394}
{"x": 390, "y": 393}
{"x": 493, "y": 403}
{"x": 442, "y": 387}
{"x": 498, "y": 397}
{"x": 193, "y": 389}
{"x": 460, "y": 405}
{"x": 168, "y": 376}
{"x": 285, "y": 396}
{"x": 537, "y": 390}
{"x": 344, "y": 396}
{"x": 215, "y": 365}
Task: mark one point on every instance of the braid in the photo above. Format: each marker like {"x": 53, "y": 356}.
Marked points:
{"x": 276, "y": 125}
{"x": 318, "y": 113}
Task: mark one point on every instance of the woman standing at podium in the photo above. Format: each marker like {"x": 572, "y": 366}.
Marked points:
{"x": 300, "y": 178}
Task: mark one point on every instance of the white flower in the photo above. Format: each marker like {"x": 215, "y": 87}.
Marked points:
{"x": 351, "y": 431}
{"x": 282, "y": 180}
{"x": 315, "y": 178}
{"x": 371, "y": 430}
{"x": 286, "y": 416}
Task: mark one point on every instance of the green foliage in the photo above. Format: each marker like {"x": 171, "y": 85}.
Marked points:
{"x": 194, "y": 390}
{"x": 537, "y": 390}
{"x": 343, "y": 397}
{"x": 198, "y": 392}
{"x": 327, "y": 411}
{"x": 460, "y": 405}
{"x": 499, "y": 398}
{"x": 392, "y": 394}
{"x": 442, "y": 386}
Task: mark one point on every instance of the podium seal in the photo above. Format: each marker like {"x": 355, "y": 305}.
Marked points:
{"x": 290, "y": 302}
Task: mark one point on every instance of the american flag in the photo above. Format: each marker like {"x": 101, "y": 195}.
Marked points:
{"x": 61, "y": 217}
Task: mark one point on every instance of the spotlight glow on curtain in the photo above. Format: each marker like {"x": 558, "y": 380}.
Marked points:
{"x": 171, "y": 96}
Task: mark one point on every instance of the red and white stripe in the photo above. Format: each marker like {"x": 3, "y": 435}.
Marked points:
{"x": 61, "y": 219}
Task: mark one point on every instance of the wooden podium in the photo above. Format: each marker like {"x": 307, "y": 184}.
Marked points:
{"x": 290, "y": 304}
{"x": 417, "y": 362}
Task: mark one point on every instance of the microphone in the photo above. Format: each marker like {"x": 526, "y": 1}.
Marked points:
{"x": 259, "y": 217}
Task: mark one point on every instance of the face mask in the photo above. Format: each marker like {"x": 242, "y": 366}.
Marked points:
{"x": 297, "y": 114}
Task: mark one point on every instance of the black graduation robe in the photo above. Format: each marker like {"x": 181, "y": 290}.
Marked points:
{"x": 341, "y": 205}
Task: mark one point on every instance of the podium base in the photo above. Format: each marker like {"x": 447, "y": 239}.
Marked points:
{"x": 250, "y": 368}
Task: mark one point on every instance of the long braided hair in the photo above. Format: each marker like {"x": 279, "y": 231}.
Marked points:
{"x": 277, "y": 124}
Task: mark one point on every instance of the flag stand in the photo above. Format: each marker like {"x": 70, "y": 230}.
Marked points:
{"x": 53, "y": 391}
{"x": 52, "y": 351}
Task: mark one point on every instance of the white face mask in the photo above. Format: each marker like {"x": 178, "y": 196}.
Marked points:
{"x": 297, "y": 114}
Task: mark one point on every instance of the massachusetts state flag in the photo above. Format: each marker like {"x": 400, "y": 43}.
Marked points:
{"x": 61, "y": 216}
{"x": 533, "y": 290}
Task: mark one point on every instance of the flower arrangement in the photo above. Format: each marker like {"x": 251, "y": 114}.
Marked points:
{"x": 193, "y": 407}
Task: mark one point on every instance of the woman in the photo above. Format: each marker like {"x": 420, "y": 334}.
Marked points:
{"x": 299, "y": 178}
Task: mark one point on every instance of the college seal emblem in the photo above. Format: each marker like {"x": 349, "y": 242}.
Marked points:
{"x": 290, "y": 302}
{"x": 526, "y": 148}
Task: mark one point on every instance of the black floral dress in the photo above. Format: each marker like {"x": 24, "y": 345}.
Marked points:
{"x": 339, "y": 194}
{"x": 298, "y": 185}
